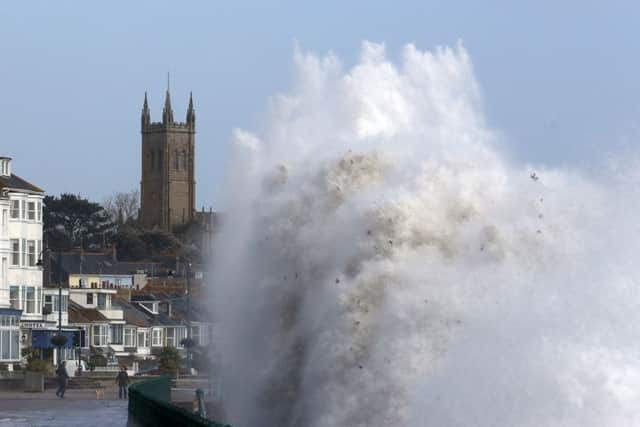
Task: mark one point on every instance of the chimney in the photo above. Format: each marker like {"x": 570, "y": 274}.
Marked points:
{"x": 5, "y": 166}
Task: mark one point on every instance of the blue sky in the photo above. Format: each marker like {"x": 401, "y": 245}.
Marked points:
{"x": 560, "y": 80}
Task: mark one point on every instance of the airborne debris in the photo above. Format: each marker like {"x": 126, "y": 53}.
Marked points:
{"x": 337, "y": 280}
{"x": 534, "y": 177}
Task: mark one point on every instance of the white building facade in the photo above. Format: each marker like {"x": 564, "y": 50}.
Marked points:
{"x": 21, "y": 294}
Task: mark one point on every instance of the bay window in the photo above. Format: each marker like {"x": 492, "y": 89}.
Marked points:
{"x": 156, "y": 337}
{"x": 14, "y": 297}
{"x": 15, "y": 209}
{"x": 9, "y": 338}
{"x": 171, "y": 337}
{"x": 100, "y": 335}
{"x": 30, "y": 300}
{"x": 15, "y": 252}
{"x": 31, "y": 211}
{"x": 143, "y": 338}
{"x": 129, "y": 337}
{"x": 31, "y": 253}
{"x": 116, "y": 334}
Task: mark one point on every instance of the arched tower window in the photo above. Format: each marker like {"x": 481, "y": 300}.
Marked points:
{"x": 176, "y": 160}
{"x": 152, "y": 156}
{"x": 184, "y": 160}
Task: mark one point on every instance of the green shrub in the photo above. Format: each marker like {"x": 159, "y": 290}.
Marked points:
{"x": 169, "y": 360}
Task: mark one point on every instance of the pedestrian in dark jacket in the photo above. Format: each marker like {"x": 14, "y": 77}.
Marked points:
{"x": 63, "y": 377}
{"x": 123, "y": 381}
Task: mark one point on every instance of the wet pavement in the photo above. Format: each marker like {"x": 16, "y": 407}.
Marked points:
{"x": 79, "y": 408}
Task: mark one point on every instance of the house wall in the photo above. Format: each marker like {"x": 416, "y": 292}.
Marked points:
{"x": 23, "y": 229}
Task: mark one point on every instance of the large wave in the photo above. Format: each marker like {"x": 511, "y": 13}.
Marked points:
{"x": 380, "y": 263}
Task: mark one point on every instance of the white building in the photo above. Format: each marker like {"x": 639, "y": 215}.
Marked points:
{"x": 20, "y": 250}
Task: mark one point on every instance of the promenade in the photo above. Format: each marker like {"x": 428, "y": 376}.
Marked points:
{"x": 79, "y": 408}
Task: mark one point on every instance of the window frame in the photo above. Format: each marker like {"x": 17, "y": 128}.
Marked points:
{"x": 14, "y": 209}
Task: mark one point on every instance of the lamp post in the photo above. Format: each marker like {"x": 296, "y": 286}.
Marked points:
{"x": 188, "y": 317}
{"x": 59, "y": 340}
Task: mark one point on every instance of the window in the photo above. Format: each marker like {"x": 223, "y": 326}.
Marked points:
{"x": 30, "y": 300}
{"x": 195, "y": 334}
{"x": 159, "y": 160}
{"x": 181, "y": 333}
{"x": 143, "y": 338}
{"x": 23, "y": 209}
{"x": 116, "y": 334}
{"x": 24, "y": 252}
{"x": 176, "y": 160}
{"x": 171, "y": 337}
{"x": 31, "y": 211}
{"x": 89, "y": 299}
{"x": 100, "y": 335}
{"x": 51, "y": 303}
{"x": 84, "y": 336}
{"x": 157, "y": 337}
{"x": 102, "y": 301}
{"x": 129, "y": 337}
{"x": 9, "y": 338}
{"x": 31, "y": 253}
{"x": 153, "y": 160}
{"x": 14, "y": 297}
{"x": 184, "y": 160}
{"x": 39, "y": 211}
{"x": 15, "y": 252}
{"x": 15, "y": 209}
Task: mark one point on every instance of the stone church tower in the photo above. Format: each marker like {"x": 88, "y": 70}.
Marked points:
{"x": 167, "y": 188}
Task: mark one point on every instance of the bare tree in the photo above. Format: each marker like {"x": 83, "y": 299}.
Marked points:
{"x": 123, "y": 207}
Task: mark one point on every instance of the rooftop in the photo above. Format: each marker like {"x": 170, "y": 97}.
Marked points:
{"x": 15, "y": 182}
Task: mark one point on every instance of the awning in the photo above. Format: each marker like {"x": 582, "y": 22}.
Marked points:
{"x": 42, "y": 338}
{"x": 10, "y": 312}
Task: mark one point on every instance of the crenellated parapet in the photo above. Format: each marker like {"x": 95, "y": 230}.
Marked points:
{"x": 168, "y": 121}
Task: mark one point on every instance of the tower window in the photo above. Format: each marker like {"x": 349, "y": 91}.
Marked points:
{"x": 159, "y": 159}
{"x": 153, "y": 159}
{"x": 184, "y": 160}
{"x": 176, "y": 160}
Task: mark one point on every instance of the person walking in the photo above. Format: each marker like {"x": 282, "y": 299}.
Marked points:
{"x": 122, "y": 379}
{"x": 63, "y": 377}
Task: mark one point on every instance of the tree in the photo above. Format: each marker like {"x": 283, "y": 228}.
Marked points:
{"x": 123, "y": 207}
{"x": 169, "y": 360}
{"x": 86, "y": 223}
{"x": 129, "y": 245}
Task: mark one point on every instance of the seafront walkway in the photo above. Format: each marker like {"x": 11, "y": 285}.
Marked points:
{"x": 79, "y": 408}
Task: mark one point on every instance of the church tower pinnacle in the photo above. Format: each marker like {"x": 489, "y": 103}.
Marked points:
{"x": 191, "y": 112}
{"x": 167, "y": 111}
{"x": 146, "y": 115}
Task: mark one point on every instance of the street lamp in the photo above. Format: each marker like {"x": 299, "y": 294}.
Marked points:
{"x": 188, "y": 318}
{"x": 59, "y": 340}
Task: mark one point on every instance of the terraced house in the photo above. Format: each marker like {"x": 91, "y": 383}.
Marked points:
{"x": 21, "y": 293}
{"x": 117, "y": 321}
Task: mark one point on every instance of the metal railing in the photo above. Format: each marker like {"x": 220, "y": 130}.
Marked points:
{"x": 150, "y": 405}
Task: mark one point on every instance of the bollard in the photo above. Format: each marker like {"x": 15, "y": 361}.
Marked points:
{"x": 202, "y": 409}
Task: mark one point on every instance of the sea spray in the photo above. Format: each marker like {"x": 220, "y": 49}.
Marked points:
{"x": 380, "y": 263}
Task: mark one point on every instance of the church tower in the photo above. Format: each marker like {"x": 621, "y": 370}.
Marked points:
{"x": 167, "y": 187}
